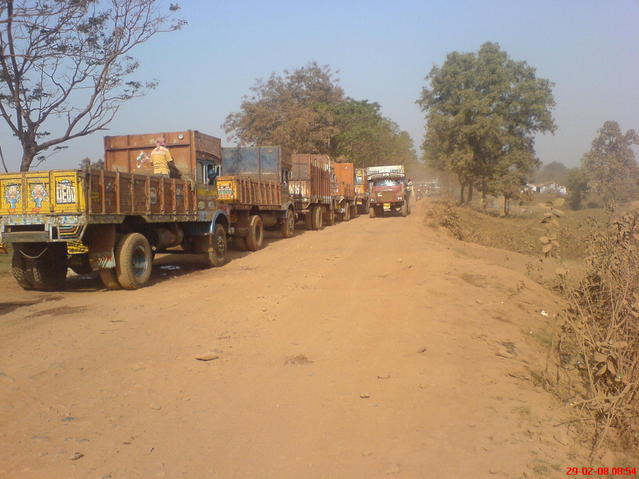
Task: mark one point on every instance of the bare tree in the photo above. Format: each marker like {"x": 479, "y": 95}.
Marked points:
{"x": 70, "y": 60}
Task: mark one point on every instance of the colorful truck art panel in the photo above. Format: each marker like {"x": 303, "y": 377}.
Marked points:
{"x": 65, "y": 192}
{"x": 12, "y": 195}
{"x": 38, "y": 194}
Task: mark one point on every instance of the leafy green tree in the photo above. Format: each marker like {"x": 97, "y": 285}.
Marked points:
{"x": 87, "y": 163}
{"x": 367, "y": 138}
{"x": 294, "y": 110}
{"x": 483, "y": 111}
{"x": 610, "y": 165}
{"x": 70, "y": 60}
{"x": 554, "y": 171}
{"x": 306, "y": 111}
{"x": 577, "y": 185}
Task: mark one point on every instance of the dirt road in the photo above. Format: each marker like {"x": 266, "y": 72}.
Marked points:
{"x": 372, "y": 348}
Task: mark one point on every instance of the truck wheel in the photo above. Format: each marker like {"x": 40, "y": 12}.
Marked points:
{"x": 133, "y": 259}
{"x": 287, "y": 227}
{"x": 213, "y": 247}
{"x": 255, "y": 234}
{"x": 403, "y": 210}
{"x": 19, "y": 270}
{"x": 371, "y": 212}
{"x": 109, "y": 278}
{"x": 354, "y": 211}
{"x": 316, "y": 217}
{"x": 49, "y": 271}
{"x": 330, "y": 217}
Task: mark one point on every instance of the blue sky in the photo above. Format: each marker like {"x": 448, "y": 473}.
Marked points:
{"x": 383, "y": 51}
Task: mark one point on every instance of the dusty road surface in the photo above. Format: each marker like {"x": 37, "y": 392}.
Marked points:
{"x": 372, "y": 348}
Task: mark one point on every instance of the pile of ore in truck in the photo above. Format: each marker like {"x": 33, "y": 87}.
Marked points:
{"x": 114, "y": 220}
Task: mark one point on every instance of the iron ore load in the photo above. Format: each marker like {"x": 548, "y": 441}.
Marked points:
{"x": 114, "y": 220}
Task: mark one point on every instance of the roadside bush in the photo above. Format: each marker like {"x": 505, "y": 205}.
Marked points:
{"x": 600, "y": 332}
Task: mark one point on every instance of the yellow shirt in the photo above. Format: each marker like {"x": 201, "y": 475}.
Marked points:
{"x": 160, "y": 157}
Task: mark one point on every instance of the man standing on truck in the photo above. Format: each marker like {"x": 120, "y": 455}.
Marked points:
{"x": 161, "y": 158}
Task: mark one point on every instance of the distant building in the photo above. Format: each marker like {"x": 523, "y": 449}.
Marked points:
{"x": 550, "y": 187}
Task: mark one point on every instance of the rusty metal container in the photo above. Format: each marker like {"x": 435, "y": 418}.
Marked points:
{"x": 310, "y": 179}
{"x": 344, "y": 180}
{"x": 193, "y": 152}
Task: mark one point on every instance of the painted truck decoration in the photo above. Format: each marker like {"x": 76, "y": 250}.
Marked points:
{"x": 115, "y": 220}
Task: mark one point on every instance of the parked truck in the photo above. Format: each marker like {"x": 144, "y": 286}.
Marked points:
{"x": 255, "y": 189}
{"x": 344, "y": 190}
{"x": 310, "y": 189}
{"x": 122, "y": 215}
{"x": 362, "y": 192}
{"x": 388, "y": 191}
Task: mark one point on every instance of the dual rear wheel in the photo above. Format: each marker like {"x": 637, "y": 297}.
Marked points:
{"x": 40, "y": 266}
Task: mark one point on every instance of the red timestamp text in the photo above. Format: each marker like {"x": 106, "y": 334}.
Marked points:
{"x": 601, "y": 471}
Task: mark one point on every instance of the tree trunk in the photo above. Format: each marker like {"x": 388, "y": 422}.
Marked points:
{"x": 484, "y": 188}
{"x": 506, "y": 205}
{"x": 470, "y": 193}
{"x": 462, "y": 190}
{"x": 28, "y": 154}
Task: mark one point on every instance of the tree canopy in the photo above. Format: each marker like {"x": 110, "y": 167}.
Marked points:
{"x": 610, "y": 165}
{"x": 305, "y": 110}
{"x": 554, "y": 171}
{"x": 70, "y": 60}
{"x": 483, "y": 110}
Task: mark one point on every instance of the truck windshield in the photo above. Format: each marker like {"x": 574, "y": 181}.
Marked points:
{"x": 385, "y": 182}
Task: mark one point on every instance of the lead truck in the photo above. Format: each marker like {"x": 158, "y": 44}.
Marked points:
{"x": 121, "y": 216}
{"x": 388, "y": 190}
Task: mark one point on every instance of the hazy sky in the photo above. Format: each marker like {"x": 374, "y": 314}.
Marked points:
{"x": 383, "y": 50}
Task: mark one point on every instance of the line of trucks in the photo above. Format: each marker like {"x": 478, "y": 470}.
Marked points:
{"x": 114, "y": 220}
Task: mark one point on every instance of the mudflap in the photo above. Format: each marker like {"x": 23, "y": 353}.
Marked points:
{"x": 101, "y": 242}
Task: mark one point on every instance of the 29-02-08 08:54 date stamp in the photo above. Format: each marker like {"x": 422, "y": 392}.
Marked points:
{"x": 601, "y": 471}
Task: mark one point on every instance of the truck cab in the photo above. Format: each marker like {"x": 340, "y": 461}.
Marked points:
{"x": 388, "y": 191}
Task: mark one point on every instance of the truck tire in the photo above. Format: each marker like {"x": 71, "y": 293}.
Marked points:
{"x": 134, "y": 260}
{"x": 403, "y": 210}
{"x": 372, "y": 213}
{"x": 287, "y": 227}
{"x": 19, "y": 270}
{"x": 330, "y": 216}
{"x": 49, "y": 271}
{"x": 354, "y": 211}
{"x": 256, "y": 233}
{"x": 316, "y": 217}
{"x": 109, "y": 278}
{"x": 213, "y": 247}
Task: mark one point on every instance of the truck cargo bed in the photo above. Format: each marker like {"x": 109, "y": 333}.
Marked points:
{"x": 243, "y": 192}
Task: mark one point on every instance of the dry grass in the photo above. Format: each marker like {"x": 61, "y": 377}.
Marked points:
{"x": 520, "y": 232}
{"x": 596, "y": 346}
{"x": 599, "y": 338}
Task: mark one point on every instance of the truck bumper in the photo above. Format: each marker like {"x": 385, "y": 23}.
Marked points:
{"x": 41, "y": 228}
